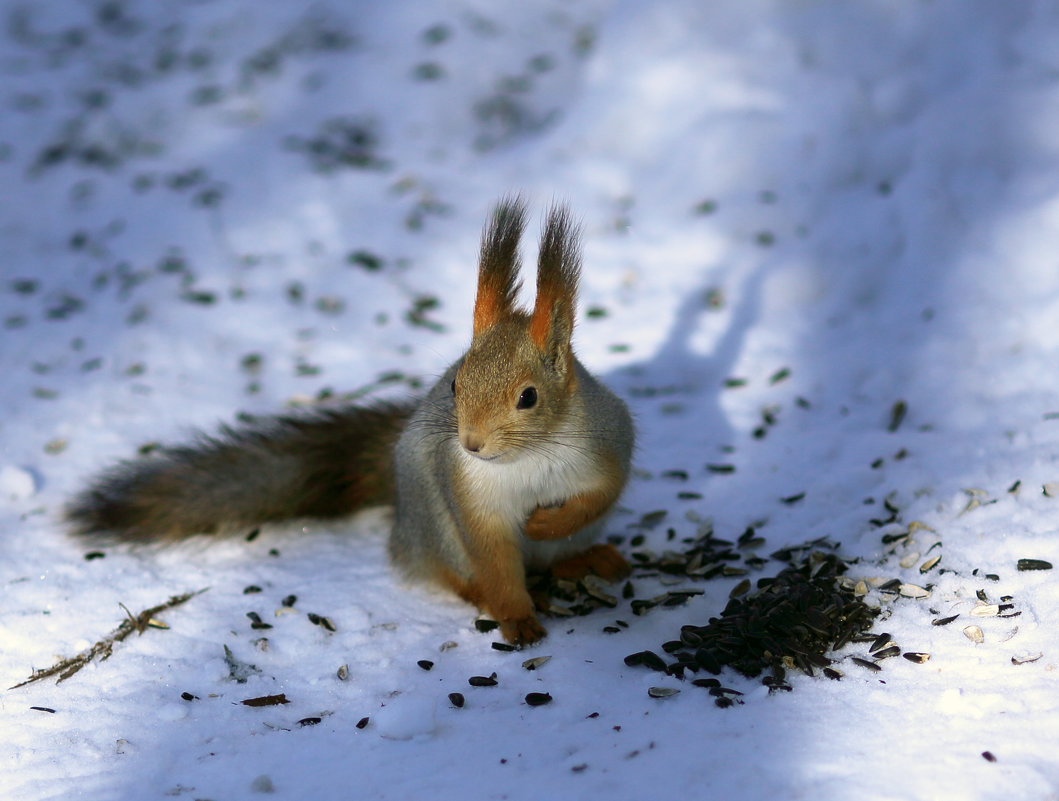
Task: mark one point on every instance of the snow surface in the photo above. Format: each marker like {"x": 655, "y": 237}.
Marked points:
{"x": 865, "y": 194}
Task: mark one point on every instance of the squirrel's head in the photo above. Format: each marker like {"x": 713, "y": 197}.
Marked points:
{"x": 515, "y": 383}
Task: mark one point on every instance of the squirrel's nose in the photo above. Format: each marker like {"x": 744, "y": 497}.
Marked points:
{"x": 472, "y": 441}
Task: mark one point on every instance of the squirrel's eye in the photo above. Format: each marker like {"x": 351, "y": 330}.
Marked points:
{"x": 527, "y": 399}
{"x": 454, "y": 387}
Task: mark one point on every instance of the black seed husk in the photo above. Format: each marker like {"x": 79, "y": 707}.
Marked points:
{"x": 456, "y": 699}
{"x": 867, "y": 664}
{"x": 360, "y": 724}
{"x": 426, "y": 664}
{"x": 483, "y": 681}
{"x": 1033, "y": 564}
{"x": 538, "y": 699}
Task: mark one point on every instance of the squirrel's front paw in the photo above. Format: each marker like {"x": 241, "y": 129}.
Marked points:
{"x": 524, "y": 631}
{"x": 548, "y": 523}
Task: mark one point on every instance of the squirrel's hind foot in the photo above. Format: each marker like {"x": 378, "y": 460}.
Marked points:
{"x": 601, "y": 560}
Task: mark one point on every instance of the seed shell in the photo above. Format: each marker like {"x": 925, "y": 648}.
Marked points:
{"x": 916, "y": 656}
{"x": 914, "y": 591}
{"x": 1025, "y": 659}
{"x": 538, "y": 699}
{"x": 974, "y": 634}
{"x": 662, "y": 692}
{"x": 483, "y": 681}
{"x": 866, "y": 664}
{"x": 1034, "y": 564}
{"x": 456, "y": 699}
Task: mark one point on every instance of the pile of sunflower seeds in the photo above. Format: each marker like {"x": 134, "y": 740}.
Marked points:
{"x": 789, "y": 622}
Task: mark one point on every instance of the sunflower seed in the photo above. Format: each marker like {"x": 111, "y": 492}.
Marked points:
{"x": 943, "y": 621}
{"x": 456, "y": 699}
{"x": 483, "y": 681}
{"x": 914, "y": 591}
{"x": 916, "y": 656}
{"x": 985, "y": 610}
{"x": 882, "y": 641}
{"x": 909, "y": 560}
{"x": 1033, "y": 564}
{"x": 974, "y": 634}
{"x": 662, "y": 692}
{"x": 929, "y": 564}
{"x": 1025, "y": 659}
{"x": 535, "y": 662}
{"x": 538, "y": 699}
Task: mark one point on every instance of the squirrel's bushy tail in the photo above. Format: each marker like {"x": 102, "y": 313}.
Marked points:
{"x": 324, "y": 464}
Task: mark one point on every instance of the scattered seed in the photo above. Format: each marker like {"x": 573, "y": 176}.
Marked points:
{"x": 916, "y": 656}
{"x": 662, "y": 692}
{"x": 483, "y": 681}
{"x": 503, "y": 646}
{"x": 1033, "y": 564}
{"x": 266, "y": 700}
{"x": 909, "y": 560}
{"x": 426, "y": 664}
{"x": 309, "y": 721}
{"x": 882, "y": 641}
{"x": 930, "y": 564}
{"x": 986, "y": 610}
{"x": 897, "y": 415}
{"x": 974, "y": 634}
{"x": 484, "y": 625}
{"x": 914, "y": 591}
{"x": 866, "y": 664}
{"x": 456, "y": 699}
{"x": 343, "y": 672}
{"x": 740, "y": 589}
{"x": 943, "y": 621}
{"x": 833, "y": 674}
{"x": 251, "y": 589}
{"x": 43, "y": 709}
{"x": 1026, "y": 659}
{"x": 322, "y": 621}
{"x": 538, "y": 699}
{"x": 360, "y": 724}
{"x": 535, "y": 662}
{"x": 189, "y": 697}
{"x": 289, "y": 601}
{"x": 648, "y": 659}
{"x": 988, "y": 756}
{"x": 91, "y": 556}
{"x": 886, "y": 653}
{"x": 1051, "y": 489}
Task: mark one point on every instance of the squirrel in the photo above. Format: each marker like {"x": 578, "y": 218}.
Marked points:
{"x": 511, "y": 461}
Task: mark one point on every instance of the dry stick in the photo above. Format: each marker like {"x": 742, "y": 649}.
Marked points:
{"x": 68, "y": 667}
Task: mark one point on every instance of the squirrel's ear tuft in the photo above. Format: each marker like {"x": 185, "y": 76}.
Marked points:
{"x": 498, "y": 264}
{"x": 558, "y": 270}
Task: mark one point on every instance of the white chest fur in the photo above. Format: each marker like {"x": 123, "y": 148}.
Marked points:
{"x": 545, "y": 474}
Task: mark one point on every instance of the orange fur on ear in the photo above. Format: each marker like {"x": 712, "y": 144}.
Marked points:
{"x": 558, "y": 270}
{"x": 498, "y": 265}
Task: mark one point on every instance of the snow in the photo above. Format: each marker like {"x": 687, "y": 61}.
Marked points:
{"x": 867, "y": 190}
